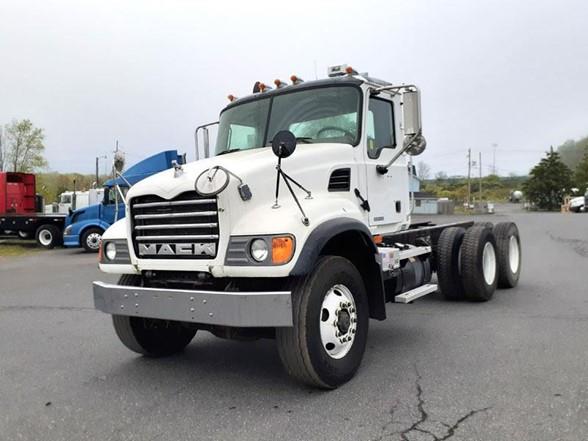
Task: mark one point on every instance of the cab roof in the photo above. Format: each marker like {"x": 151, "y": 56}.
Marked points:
{"x": 333, "y": 81}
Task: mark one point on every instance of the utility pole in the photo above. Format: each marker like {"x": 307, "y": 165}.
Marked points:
{"x": 469, "y": 176}
{"x": 494, "y": 147}
{"x": 480, "y": 164}
{"x": 98, "y": 171}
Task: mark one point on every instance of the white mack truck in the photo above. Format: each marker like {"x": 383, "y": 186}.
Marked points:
{"x": 297, "y": 228}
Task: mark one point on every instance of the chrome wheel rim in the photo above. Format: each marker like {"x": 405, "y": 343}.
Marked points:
{"x": 93, "y": 240}
{"x": 338, "y": 321}
{"x": 489, "y": 263}
{"x": 45, "y": 237}
{"x": 514, "y": 255}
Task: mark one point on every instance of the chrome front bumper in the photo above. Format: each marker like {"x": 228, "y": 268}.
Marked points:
{"x": 239, "y": 309}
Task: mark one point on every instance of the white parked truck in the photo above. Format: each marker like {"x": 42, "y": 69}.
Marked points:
{"x": 297, "y": 228}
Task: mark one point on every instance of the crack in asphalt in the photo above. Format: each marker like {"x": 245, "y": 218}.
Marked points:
{"x": 423, "y": 417}
{"x": 578, "y": 245}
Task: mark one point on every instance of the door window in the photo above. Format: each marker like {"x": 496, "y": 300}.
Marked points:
{"x": 380, "y": 127}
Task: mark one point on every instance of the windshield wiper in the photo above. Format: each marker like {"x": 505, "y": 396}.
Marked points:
{"x": 228, "y": 151}
{"x": 302, "y": 139}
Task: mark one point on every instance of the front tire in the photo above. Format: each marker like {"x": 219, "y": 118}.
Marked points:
{"x": 150, "y": 337}
{"x": 91, "y": 239}
{"x": 325, "y": 346}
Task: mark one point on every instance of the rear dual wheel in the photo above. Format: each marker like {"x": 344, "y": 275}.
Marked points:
{"x": 467, "y": 263}
{"x": 479, "y": 263}
{"x": 508, "y": 249}
{"x": 473, "y": 263}
{"x": 49, "y": 236}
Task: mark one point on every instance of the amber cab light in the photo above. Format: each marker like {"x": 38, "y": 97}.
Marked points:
{"x": 282, "y": 249}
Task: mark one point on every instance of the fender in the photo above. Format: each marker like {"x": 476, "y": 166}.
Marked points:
{"x": 371, "y": 271}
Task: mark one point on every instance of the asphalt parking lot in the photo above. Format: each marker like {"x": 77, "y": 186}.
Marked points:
{"x": 515, "y": 368}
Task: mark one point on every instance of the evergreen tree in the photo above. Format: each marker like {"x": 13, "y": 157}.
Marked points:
{"x": 581, "y": 173}
{"x": 548, "y": 183}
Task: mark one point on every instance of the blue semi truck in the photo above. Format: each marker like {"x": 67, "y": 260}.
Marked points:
{"x": 84, "y": 227}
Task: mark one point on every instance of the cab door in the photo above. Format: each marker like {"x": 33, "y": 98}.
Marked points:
{"x": 388, "y": 194}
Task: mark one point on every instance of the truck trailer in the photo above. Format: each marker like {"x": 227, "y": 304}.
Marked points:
{"x": 296, "y": 228}
{"x": 22, "y": 211}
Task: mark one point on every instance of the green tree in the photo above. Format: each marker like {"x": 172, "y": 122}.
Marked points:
{"x": 548, "y": 183}
{"x": 581, "y": 173}
{"x": 572, "y": 151}
{"x": 24, "y": 147}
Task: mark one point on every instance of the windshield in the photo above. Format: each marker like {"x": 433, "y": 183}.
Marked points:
{"x": 326, "y": 114}
{"x": 111, "y": 195}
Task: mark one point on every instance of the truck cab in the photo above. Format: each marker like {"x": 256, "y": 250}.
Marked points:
{"x": 296, "y": 228}
{"x": 84, "y": 227}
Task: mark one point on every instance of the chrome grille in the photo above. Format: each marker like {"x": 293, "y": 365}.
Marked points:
{"x": 187, "y": 219}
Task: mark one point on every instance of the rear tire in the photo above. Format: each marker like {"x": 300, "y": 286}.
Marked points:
{"x": 448, "y": 273}
{"x": 479, "y": 266}
{"x": 150, "y": 337}
{"x": 508, "y": 249}
{"x": 329, "y": 306}
{"x": 91, "y": 238}
{"x": 48, "y": 236}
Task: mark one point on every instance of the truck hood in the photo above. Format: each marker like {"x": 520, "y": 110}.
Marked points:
{"x": 257, "y": 168}
{"x": 89, "y": 212}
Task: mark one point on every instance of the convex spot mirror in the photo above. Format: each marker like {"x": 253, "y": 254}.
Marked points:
{"x": 417, "y": 145}
{"x": 284, "y": 144}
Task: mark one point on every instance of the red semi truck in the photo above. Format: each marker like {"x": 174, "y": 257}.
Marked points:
{"x": 21, "y": 211}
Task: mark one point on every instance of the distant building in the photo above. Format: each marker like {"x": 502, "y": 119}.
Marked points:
{"x": 425, "y": 203}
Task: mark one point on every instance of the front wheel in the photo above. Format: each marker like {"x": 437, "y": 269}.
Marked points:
{"x": 325, "y": 346}
{"x": 91, "y": 240}
{"x": 150, "y": 337}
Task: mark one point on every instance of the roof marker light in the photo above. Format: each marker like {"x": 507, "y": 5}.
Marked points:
{"x": 296, "y": 80}
{"x": 264, "y": 87}
{"x": 232, "y": 97}
{"x": 279, "y": 83}
{"x": 340, "y": 70}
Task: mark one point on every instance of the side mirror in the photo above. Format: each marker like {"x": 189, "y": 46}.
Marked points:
{"x": 284, "y": 144}
{"x": 414, "y": 141}
{"x": 411, "y": 112}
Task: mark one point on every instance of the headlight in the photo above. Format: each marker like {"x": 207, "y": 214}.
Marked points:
{"x": 259, "y": 250}
{"x": 110, "y": 250}
{"x": 67, "y": 229}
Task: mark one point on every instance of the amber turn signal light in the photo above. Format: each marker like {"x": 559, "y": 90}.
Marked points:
{"x": 282, "y": 249}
